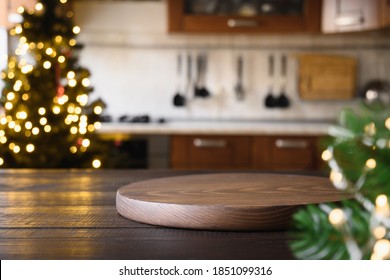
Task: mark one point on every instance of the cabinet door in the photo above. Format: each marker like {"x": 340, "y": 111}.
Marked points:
{"x": 350, "y": 15}
{"x": 210, "y": 152}
{"x": 293, "y": 153}
{"x": 244, "y": 16}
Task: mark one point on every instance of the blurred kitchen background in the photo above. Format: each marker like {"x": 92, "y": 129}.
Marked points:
{"x": 236, "y": 84}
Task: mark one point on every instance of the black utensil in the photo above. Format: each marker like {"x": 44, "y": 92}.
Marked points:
{"x": 270, "y": 101}
{"x": 239, "y": 88}
{"x": 283, "y": 101}
{"x": 179, "y": 99}
{"x": 200, "y": 89}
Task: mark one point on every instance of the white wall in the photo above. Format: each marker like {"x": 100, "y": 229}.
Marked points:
{"x": 133, "y": 64}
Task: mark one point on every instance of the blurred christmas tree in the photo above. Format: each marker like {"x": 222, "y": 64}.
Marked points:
{"x": 47, "y": 119}
{"x": 359, "y": 159}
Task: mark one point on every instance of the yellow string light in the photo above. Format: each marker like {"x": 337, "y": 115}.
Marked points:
{"x": 72, "y": 42}
{"x": 47, "y": 128}
{"x": 56, "y": 110}
{"x": 86, "y": 82}
{"x": 11, "y": 96}
{"x": 98, "y": 110}
{"x": 39, "y": 7}
{"x": 43, "y": 121}
{"x": 73, "y": 149}
{"x": 1, "y": 161}
{"x": 41, "y": 111}
{"x": 379, "y": 232}
{"x": 16, "y": 149}
{"x": 382, "y": 249}
{"x": 30, "y": 148}
{"x": 3, "y": 140}
{"x": 47, "y": 64}
{"x": 76, "y": 29}
{"x": 96, "y": 163}
{"x": 28, "y": 125}
{"x": 387, "y": 123}
{"x": 8, "y": 106}
{"x": 61, "y": 59}
{"x": 336, "y": 217}
{"x": 371, "y": 163}
{"x": 35, "y": 131}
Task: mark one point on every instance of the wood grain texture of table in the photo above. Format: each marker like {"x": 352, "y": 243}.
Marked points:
{"x": 71, "y": 214}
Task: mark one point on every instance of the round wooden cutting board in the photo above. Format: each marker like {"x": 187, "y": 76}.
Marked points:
{"x": 226, "y": 201}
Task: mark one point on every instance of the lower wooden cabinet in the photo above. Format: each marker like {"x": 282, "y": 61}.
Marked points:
{"x": 245, "y": 152}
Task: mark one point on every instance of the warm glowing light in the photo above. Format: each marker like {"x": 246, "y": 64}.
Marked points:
{"x": 47, "y": 64}
{"x": 371, "y": 163}
{"x": 17, "y": 128}
{"x": 11, "y": 96}
{"x": 72, "y": 83}
{"x": 40, "y": 45}
{"x": 379, "y": 232}
{"x": 18, "y": 29}
{"x": 381, "y": 200}
{"x": 43, "y": 121}
{"x": 98, "y": 110}
{"x": 70, "y": 108}
{"x": 16, "y": 149}
{"x": 11, "y": 124}
{"x": 25, "y": 96}
{"x": 2, "y": 133}
{"x": 39, "y": 7}
{"x": 71, "y": 75}
{"x": 83, "y": 118}
{"x": 11, "y": 75}
{"x": 91, "y": 128}
{"x": 47, "y": 128}
{"x": 336, "y": 217}
{"x": 35, "y": 131}
{"x": 387, "y": 123}
{"x": 11, "y": 146}
{"x": 86, "y": 143}
{"x": 3, "y": 120}
{"x": 82, "y": 130}
{"x": 32, "y": 45}
{"x": 82, "y": 99}
{"x": 41, "y": 111}
{"x": 58, "y": 39}
{"x": 86, "y": 82}
{"x": 28, "y": 125}
{"x": 63, "y": 1}
{"x": 56, "y": 110}
{"x": 370, "y": 129}
{"x": 73, "y": 130}
{"x": 77, "y": 110}
{"x": 72, "y": 42}
{"x": 20, "y": 10}
{"x": 63, "y": 99}
{"x": 8, "y": 106}
{"x": 27, "y": 68}
{"x": 61, "y": 59}
{"x": 21, "y": 115}
{"x": 382, "y": 248}
{"x": 76, "y": 29}
{"x": 97, "y": 125}
{"x": 96, "y": 163}
{"x": 30, "y": 148}
{"x": 73, "y": 149}
{"x": 74, "y": 118}
{"x": 3, "y": 140}
{"x": 49, "y": 51}
{"x": 1, "y": 161}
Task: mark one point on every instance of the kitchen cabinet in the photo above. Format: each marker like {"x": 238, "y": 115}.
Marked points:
{"x": 210, "y": 152}
{"x": 244, "y": 16}
{"x": 351, "y": 15}
{"x": 269, "y": 152}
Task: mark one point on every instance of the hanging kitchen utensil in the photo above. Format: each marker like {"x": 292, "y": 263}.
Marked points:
{"x": 239, "y": 88}
{"x": 201, "y": 65}
{"x": 283, "y": 101}
{"x": 270, "y": 101}
{"x": 179, "y": 99}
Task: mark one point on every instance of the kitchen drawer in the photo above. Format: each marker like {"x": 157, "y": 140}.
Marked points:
{"x": 210, "y": 152}
{"x": 293, "y": 153}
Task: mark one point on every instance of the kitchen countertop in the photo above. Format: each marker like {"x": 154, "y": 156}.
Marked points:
{"x": 71, "y": 214}
{"x": 220, "y": 127}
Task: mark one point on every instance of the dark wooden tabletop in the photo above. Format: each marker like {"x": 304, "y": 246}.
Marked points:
{"x": 71, "y": 214}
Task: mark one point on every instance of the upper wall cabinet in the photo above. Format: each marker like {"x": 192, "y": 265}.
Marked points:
{"x": 244, "y": 16}
{"x": 354, "y": 15}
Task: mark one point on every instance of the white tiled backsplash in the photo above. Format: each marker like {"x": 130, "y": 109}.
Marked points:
{"x": 133, "y": 63}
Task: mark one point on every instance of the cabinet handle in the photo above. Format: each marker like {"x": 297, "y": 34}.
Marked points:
{"x": 209, "y": 143}
{"x": 349, "y": 20}
{"x": 234, "y": 23}
{"x": 286, "y": 143}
